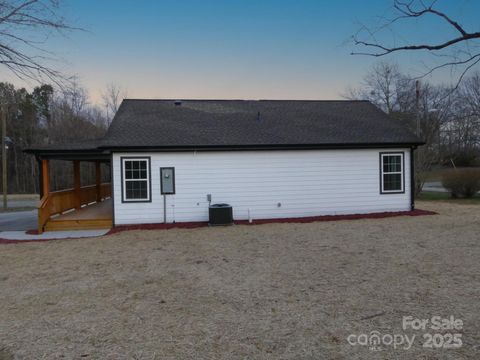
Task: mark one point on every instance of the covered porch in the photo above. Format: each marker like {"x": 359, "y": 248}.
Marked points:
{"x": 79, "y": 208}
{"x": 96, "y": 215}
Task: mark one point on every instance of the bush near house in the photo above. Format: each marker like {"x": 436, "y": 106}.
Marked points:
{"x": 462, "y": 182}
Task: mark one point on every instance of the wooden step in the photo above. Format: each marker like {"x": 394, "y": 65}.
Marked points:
{"x": 86, "y": 224}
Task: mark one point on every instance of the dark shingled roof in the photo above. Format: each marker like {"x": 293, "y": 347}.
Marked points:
{"x": 85, "y": 145}
{"x": 249, "y": 123}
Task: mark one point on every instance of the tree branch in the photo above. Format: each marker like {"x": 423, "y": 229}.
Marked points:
{"x": 22, "y": 22}
{"x": 387, "y": 50}
{"x": 408, "y": 10}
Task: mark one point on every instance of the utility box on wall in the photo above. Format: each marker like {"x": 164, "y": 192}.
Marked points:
{"x": 167, "y": 180}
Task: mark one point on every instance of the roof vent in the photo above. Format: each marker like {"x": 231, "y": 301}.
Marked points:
{"x": 258, "y": 116}
{"x": 178, "y": 103}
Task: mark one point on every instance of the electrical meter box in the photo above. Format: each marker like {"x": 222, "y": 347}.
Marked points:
{"x": 167, "y": 180}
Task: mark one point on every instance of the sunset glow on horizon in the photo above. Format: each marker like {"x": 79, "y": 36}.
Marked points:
{"x": 227, "y": 49}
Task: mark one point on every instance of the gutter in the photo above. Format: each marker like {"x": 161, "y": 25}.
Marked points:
{"x": 105, "y": 151}
{"x": 259, "y": 147}
{"x": 412, "y": 177}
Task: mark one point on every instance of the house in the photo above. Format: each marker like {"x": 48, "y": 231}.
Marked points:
{"x": 268, "y": 159}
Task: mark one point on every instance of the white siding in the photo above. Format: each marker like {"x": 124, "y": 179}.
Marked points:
{"x": 304, "y": 182}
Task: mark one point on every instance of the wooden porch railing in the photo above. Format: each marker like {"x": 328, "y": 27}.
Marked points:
{"x": 57, "y": 202}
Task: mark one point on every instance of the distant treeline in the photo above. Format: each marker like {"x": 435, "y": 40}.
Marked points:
{"x": 47, "y": 116}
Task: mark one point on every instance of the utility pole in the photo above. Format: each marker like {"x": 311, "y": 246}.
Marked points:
{"x": 4, "y": 157}
{"x": 417, "y": 105}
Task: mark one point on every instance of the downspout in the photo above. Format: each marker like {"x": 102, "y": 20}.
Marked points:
{"x": 112, "y": 191}
{"x": 412, "y": 178}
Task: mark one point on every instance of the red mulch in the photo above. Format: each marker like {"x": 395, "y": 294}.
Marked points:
{"x": 192, "y": 225}
{"x": 181, "y": 225}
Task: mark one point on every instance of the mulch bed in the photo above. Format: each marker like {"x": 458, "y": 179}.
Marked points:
{"x": 193, "y": 225}
{"x": 308, "y": 219}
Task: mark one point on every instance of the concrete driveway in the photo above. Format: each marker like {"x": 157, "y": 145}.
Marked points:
{"x": 18, "y": 220}
{"x": 23, "y": 203}
{"x": 435, "y": 186}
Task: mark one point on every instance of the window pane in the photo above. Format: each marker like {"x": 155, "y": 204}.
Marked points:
{"x": 136, "y": 169}
{"x": 398, "y": 165}
{"x": 392, "y": 163}
{"x": 385, "y": 163}
{"x": 136, "y": 189}
{"x": 392, "y": 182}
{"x": 395, "y": 163}
{"x": 142, "y": 190}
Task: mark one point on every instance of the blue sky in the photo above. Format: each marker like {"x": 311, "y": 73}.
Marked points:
{"x": 233, "y": 48}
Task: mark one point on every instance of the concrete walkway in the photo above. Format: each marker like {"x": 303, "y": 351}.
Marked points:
{"x": 49, "y": 235}
{"x": 15, "y": 224}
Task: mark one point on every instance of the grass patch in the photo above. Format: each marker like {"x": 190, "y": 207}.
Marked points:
{"x": 441, "y": 196}
{"x": 274, "y": 291}
{"x": 23, "y": 197}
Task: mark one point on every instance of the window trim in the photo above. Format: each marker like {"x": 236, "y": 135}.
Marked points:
{"x": 123, "y": 180}
{"x": 161, "y": 180}
{"x": 389, "y": 153}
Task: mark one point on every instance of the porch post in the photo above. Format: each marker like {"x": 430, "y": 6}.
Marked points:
{"x": 98, "y": 178}
{"x": 76, "y": 182}
{"x": 43, "y": 210}
{"x": 45, "y": 182}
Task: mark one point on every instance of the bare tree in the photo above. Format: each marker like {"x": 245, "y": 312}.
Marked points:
{"x": 458, "y": 51}
{"x": 76, "y": 96}
{"x": 471, "y": 94}
{"x": 461, "y": 133}
{"x": 25, "y": 26}
{"x": 112, "y": 98}
{"x": 388, "y": 88}
{"x": 379, "y": 86}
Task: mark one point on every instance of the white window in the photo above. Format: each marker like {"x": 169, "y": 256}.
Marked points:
{"x": 136, "y": 179}
{"x": 392, "y": 175}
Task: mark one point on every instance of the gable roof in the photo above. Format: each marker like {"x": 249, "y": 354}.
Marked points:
{"x": 190, "y": 124}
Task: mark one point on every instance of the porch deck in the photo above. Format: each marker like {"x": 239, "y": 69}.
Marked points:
{"x": 94, "y": 216}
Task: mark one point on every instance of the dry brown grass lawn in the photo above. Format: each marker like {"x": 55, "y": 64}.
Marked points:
{"x": 277, "y": 291}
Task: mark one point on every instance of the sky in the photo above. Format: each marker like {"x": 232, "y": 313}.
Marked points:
{"x": 233, "y": 49}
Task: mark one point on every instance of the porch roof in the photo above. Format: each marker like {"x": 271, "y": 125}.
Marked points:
{"x": 87, "y": 150}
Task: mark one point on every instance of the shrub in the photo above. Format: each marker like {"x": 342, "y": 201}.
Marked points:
{"x": 462, "y": 182}
{"x": 465, "y": 158}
